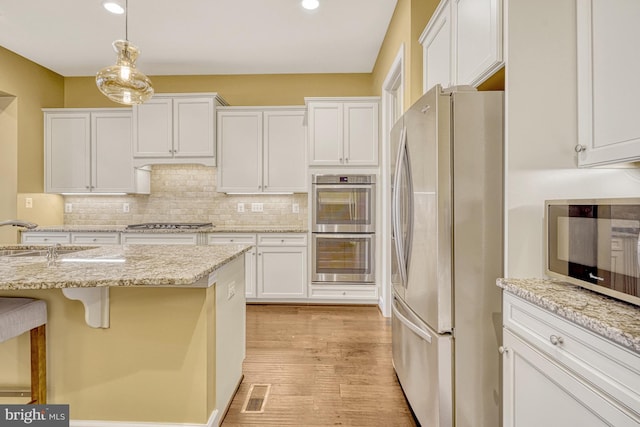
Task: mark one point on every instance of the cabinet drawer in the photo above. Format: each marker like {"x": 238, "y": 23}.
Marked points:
{"x": 282, "y": 239}
{"x": 53, "y": 237}
{"x": 95, "y": 238}
{"x": 222, "y": 239}
{"x": 343, "y": 292}
{"x": 159, "y": 239}
{"x": 608, "y": 366}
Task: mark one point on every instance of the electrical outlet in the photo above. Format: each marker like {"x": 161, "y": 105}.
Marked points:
{"x": 295, "y": 208}
{"x": 240, "y": 207}
{"x": 28, "y": 202}
{"x": 68, "y": 208}
{"x": 125, "y": 207}
{"x": 257, "y": 207}
{"x": 231, "y": 290}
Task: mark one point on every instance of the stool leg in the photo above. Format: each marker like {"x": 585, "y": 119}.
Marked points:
{"x": 38, "y": 366}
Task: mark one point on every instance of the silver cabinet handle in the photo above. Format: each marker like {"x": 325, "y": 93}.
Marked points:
{"x": 346, "y": 160}
{"x": 503, "y": 350}
{"x": 555, "y": 340}
{"x": 340, "y": 159}
{"x": 580, "y": 148}
{"x": 426, "y": 108}
{"x": 87, "y": 187}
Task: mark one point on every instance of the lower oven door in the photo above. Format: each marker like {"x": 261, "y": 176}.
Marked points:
{"x": 343, "y": 258}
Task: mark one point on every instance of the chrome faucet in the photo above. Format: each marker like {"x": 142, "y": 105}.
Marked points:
{"x": 52, "y": 254}
{"x": 19, "y": 223}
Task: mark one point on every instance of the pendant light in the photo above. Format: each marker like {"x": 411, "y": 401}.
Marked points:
{"x": 122, "y": 82}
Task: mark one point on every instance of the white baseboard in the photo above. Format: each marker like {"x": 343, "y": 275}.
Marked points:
{"x": 213, "y": 421}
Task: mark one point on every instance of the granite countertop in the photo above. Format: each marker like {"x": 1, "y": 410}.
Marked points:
{"x": 214, "y": 229}
{"x": 617, "y": 320}
{"x": 130, "y": 265}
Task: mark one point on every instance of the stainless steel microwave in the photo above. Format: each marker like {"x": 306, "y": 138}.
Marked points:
{"x": 594, "y": 243}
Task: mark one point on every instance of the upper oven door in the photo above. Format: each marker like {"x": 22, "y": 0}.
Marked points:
{"x": 343, "y": 208}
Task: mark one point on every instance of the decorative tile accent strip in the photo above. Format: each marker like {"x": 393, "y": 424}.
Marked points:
{"x": 611, "y": 318}
{"x": 186, "y": 193}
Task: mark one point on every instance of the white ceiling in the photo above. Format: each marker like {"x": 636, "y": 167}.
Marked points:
{"x": 180, "y": 37}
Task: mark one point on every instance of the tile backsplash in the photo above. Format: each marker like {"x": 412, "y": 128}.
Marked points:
{"x": 186, "y": 193}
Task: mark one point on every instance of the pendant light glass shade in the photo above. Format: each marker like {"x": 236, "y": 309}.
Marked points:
{"x": 122, "y": 82}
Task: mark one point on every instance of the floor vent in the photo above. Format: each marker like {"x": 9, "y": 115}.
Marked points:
{"x": 256, "y": 398}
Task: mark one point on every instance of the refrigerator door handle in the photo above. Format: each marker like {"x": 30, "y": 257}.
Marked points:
{"x": 408, "y": 243}
{"x": 406, "y": 322}
{"x": 396, "y": 210}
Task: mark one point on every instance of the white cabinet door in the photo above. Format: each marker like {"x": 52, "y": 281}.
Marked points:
{"x": 282, "y": 272}
{"x": 478, "y": 40}
{"x": 67, "y": 152}
{"x": 343, "y": 132}
{"x": 111, "y": 148}
{"x": 193, "y": 127}
{"x": 437, "y": 48}
{"x": 89, "y": 151}
{"x": 325, "y": 133}
{"x": 360, "y": 133}
{"x": 608, "y": 68}
{"x": 240, "y": 151}
{"x": 284, "y": 152}
{"x": 539, "y": 392}
{"x": 153, "y": 123}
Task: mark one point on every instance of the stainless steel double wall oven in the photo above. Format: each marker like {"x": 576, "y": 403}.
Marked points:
{"x": 343, "y": 227}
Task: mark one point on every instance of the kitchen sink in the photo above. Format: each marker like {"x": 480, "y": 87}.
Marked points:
{"x": 30, "y": 252}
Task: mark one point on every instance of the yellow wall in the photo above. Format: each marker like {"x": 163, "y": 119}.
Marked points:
{"x": 8, "y": 165}
{"x": 264, "y": 89}
{"x": 408, "y": 21}
{"x": 35, "y": 87}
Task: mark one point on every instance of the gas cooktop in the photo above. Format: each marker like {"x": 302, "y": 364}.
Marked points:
{"x": 169, "y": 226}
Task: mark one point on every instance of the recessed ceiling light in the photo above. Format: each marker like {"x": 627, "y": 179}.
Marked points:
{"x": 310, "y": 4}
{"x": 113, "y": 7}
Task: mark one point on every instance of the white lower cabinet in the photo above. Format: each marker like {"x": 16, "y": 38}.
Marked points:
{"x": 95, "y": 238}
{"x": 160, "y": 238}
{"x": 276, "y": 268}
{"x": 45, "y": 237}
{"x": 558, "y": 374}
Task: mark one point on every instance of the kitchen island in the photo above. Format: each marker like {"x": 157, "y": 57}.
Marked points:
{"x": 171, "y": 348}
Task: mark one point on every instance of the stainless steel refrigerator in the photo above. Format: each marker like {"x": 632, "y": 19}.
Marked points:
{"x": 447, "y": 192}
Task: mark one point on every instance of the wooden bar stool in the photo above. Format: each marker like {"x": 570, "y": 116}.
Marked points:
{"x": 17, "y": 316}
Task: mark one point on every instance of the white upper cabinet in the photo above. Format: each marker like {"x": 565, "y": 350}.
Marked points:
{"x": 176, "y": 128}
{"x": 343, "y": 131}
{"x": 608, "y": 68}
{"x": 437, "y": 49}
{"x": 462, "y": 43}
{"x": 90, "y": 151}
{"x": 261, "y": 149}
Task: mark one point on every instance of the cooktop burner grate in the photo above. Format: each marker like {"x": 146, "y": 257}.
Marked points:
{"x": 168, "y": 226}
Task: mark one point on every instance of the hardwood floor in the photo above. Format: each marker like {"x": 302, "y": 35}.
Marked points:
{"x": 327, "y": 366}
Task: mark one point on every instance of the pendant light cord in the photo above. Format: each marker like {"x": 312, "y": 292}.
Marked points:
{"x": 126, "y": 20}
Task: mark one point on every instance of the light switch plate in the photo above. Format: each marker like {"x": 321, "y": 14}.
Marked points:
{"x": 257, "y": 207}
{"x": 125, "y": 207}
{"x": 240, "y": 207}
{"x": 28, "y": 202}
{"x": 68, "y": 208}
{"x": 295, "y": 208}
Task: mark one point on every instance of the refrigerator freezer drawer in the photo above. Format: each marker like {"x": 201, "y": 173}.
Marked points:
{"x": 423, "y": 362}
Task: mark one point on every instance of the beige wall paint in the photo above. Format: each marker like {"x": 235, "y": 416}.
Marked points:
{"x": 408, "y": 21}
{"x": 47, "y": 208}
{"x": 8, "y": 166}
{"x": 35, "y": 87}
{"x": 264, "y": 89}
